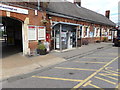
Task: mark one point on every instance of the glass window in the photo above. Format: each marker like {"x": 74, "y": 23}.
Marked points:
{"x": 86, "y": 31}
{"x": 79, "y": 32}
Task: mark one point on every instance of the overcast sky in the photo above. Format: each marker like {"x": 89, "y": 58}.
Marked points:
{"x": 101, "y": 6}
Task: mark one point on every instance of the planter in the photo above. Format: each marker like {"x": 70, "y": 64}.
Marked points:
{"x": 41, "y": 49}
{"x": 97, "y": 41}
{"x": 41, "y": 52}
{"x": 85, "y": 42}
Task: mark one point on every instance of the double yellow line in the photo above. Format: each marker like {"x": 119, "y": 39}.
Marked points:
{"x": 92, "y": 75}
{"x": 53, "y": 78}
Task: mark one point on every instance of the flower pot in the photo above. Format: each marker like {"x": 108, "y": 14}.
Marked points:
{"x": 41, "y": 52}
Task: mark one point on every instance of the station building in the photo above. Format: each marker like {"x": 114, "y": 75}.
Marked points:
{"x": 64, "y": 25}
{"x": 73, "y": 25}
{"x": 23, "y": 25}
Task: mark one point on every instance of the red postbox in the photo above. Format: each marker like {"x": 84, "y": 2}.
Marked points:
{"x": 48, "y": 37}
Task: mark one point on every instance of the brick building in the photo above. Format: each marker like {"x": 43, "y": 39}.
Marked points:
{"x": 73, "y": 25}
{"x": 119, "y": 13}
{"x": 64, "y": 25}
{"x": 23, "y": 25}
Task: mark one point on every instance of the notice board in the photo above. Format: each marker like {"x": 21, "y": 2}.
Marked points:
{"x": 32, "y": 33}
{"x": 41, "y": 32}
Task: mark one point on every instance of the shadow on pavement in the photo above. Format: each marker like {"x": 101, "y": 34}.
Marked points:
{"x": 8, "y": 50}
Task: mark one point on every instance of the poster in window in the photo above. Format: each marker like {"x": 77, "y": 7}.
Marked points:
{"x": 32, "y": 33}
{"x": 41, "y": 33}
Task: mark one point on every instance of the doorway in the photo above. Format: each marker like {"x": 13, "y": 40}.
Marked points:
{"x": 12, "y": 36}
{"x": 68, "y": 37}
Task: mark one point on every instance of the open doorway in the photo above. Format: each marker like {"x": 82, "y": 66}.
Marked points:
{"x": 11, "y": 36}
{"x": 67, "y": 34}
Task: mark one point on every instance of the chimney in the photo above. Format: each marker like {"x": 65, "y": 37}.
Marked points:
{"x": 107, "y": 14}
{"x": 78, "y": 2}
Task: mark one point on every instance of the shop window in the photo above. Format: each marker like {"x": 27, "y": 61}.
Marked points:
{"x": 91, "y": 34}
{"x": 94, "y": 34}
{"x": 97, "y": 32}
{"x": 86, "y": 32}
{"x": 79, "y": 32}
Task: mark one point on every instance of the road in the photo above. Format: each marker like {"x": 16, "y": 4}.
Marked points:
{"x": 96, "y": 70}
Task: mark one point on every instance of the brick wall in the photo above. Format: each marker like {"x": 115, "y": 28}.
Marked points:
{"x": 33, "y": 20}
{"x": 33, "y": 45}
{"x": 58, "y": 19}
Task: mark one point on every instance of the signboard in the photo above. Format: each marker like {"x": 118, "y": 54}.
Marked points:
{"x": 32, "y": 34}
{"x": 41, "y": 33}
{"x": 36, "y": 32}
{"x": 13, "y": 9}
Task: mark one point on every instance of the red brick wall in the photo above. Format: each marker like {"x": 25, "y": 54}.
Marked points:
{"x": 18, "y": 16}
{"x": 34, "y": 19}
{"x": 94, "y": 39}
{"x": 91, "y": 40}
{"x": 33, "y": 45}
{"x": 57, "y": 19}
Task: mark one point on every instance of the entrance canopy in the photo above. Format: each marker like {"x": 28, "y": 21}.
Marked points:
{"x": 65, "y": 35}
{"x": 72, "y": 24}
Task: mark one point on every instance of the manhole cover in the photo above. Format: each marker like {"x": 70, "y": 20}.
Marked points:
{"x": 71, "y": 73}
{"x": 100, "y": 47}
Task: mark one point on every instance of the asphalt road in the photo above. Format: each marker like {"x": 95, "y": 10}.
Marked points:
{"x": 97, "y": 70}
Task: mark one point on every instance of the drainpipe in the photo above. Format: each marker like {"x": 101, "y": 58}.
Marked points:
{"x": 60, "y": 38}
{"x": 38, "y": 4}
{"x": 54, "y": 39}
{"x": 81, "y": 36}
{"x": 76, "y": 37}
{"x": 100, "y": 34}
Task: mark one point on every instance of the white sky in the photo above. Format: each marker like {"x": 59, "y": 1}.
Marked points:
{"x": 101, "y": 6}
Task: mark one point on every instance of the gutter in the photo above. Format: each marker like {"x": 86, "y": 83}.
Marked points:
{"x": 7, "y": 3}
{"x": 74, "y": 18}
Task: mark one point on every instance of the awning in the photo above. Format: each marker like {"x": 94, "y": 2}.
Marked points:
{"x": 72, "y": 24}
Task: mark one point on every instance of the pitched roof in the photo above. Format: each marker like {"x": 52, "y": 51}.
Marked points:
{"x": 72, "y": 10}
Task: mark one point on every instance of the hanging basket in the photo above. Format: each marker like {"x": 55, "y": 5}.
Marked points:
{"x": 44, "y": 21}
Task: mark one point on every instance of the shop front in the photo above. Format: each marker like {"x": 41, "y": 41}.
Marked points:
{"x": 65, "y": 35}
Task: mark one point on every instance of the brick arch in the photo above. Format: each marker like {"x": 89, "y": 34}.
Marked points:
{"x": 20, "y": 17}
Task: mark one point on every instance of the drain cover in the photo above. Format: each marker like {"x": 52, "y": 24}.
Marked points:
{"x": 71, "y": 73}
{"x": 100, "y": 47}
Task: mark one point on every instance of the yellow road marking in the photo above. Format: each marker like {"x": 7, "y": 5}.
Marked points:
{"x": 109, "y": 76}
{"x": 64, "y": 79}
{"x": 76, "y": 69}
{"x": 118, "y": 69}
{"x": 107, "y": 54}
{"x": 90, "y": 62}
{"x": 89, "y": 83}
{"x": 108, "y": 69}
{"x": 105, "y": 80}
{"x": 114, "y": 74}
{"x": 97, "y": 57}
{"x": 118, "y": 86}
{"x": 81, "y": 83}
{"x": 113, "y": 71}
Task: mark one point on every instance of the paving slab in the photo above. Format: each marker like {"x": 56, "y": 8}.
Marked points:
{"x": 17, "y": 64}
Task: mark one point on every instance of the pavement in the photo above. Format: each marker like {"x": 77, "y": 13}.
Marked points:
{"x": 17, "y": 64}
{"x": 97, "y": 70}
{"x": 81, "y": 51}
